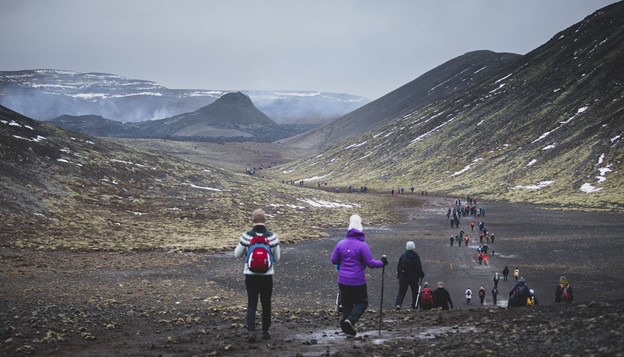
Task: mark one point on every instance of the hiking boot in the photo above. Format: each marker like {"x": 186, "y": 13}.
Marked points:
{"x": 397, "y": 308}
{"x": 266, "y": 335}
{"x": 347, "y": 327}
{"x": 251, "y": 336}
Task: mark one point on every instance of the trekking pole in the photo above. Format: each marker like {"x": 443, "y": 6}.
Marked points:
{"x": 383, "y": 271}
{"x": 338, "y": 306}
{"x": 418, "y": 295}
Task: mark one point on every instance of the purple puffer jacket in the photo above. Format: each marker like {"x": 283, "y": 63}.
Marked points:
{"x": 353, "y": 255}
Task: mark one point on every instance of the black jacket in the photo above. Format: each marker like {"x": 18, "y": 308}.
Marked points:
{"x": 442, "y": 298}
{"x": 409, "y": 267}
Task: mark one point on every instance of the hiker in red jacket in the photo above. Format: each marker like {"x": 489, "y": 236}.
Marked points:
{"x": 426, "y": 298}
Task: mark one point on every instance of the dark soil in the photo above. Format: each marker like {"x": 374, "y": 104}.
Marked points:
{"x": 189, "y": 303}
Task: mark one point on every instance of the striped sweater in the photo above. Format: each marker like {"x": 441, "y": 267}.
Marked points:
{"x": 243, "y": 245}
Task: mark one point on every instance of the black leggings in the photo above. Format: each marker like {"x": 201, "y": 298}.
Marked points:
{"x": 258, "y": 285}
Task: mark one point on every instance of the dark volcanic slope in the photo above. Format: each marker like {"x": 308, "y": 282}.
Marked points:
{"x": 548, "y": 128}
{"x": 450, "y": 77}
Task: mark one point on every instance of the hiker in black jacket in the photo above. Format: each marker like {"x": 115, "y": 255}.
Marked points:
{"x": 409, "y": 272}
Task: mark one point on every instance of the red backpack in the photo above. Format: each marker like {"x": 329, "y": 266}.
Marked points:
{"x": 426, "y": 297}
{"x": 259, "y": 257}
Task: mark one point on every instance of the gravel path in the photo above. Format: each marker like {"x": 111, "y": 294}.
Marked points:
{"x": 186, "y": 303}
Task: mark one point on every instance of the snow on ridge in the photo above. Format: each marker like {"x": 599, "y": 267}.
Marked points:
{"x": 615, "y": 138}
{"x": 205, "y": 188}
{"x": 277, "y": 205}
{"x": 299, "y": 94}
{"x": 562, "y": 123}
{"x": 499, "y": 87}
{"x": 430, "y": 132}
{"x": 36, "y": 139}
{"x": 352, "y": 146}
{"x": 314, "y": 178}
{"x": 548, "y": 147}
{"x": 479, "y": 70}
{"x": 589, "y": 188}
{"x": 466, "y": 168}
{"x": 157, "y": 94}
{"x": 537, "y": 186}
{"x": 532, "y": 162}
{"x": 89, "y": 96}
{"x": 324, "y": 204}
{"x": 502, "y": 79}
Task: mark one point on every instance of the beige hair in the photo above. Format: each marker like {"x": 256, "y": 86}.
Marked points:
{"x": 258, "y": 216}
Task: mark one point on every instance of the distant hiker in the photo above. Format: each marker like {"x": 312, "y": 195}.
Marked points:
{"x": 352, "y": 255}
{"x": 485, "y": 259}
{"x": 482, "y": 296}
{"x": 468, "y": 295}
{"x": 494, "y": 295}
{"x": 480, "y": 258}
{"x": 412, "y": 188}
{"x": 409, "y": 273}
{"x": 392, "y": 192}
{"x": 481, "y": 237}
{"x": 492, "y": 237}
{"x": 466, "y": 240}
{"x": 532, "y": 299}
{"x": 519, "y": 294}
{"x": 516, "y": 274}
{"x": 448, "y": 213}
{"x": 258, "y": 283}
{"x": 496, "y": 279}
{"x": 485, "y": 248}
{"x": 564, "y": 293}
{"x": 505, "y": 273}
{"x": 426, "y": 298}
{"x": 472, "y": 225}
{"x": 452, "y": 239}
{"x": 481, "y": 226}
{"x": 441, "y": 297}
{"x": 458, "y": 240}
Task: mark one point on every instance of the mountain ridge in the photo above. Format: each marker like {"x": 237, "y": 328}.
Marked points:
{"x": 452, "y": 76}
{"x": 545, "y": 129}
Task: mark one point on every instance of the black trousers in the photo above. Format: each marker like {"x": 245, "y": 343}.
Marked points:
{"x": 262, "y": 286}
{"x": 354, "y": 301}
{"x": 403, "y": 285}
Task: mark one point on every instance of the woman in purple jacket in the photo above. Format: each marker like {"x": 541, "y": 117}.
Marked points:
{"x": 352, "y": 255}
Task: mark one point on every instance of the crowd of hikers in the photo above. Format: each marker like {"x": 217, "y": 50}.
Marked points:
{"x": 352, "y": 255}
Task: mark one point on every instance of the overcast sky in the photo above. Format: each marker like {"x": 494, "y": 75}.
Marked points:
{"x": 360, "y": 47}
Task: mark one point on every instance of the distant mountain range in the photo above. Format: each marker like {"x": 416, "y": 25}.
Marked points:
{"x": 47, "y": 93}
{"x": 232, "y": 117}
{"x": 544, "y": 127}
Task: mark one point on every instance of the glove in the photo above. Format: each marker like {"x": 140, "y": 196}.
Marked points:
{"x": 384, "y": 260}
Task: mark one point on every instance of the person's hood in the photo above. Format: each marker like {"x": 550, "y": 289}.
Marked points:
{"x": 356, "y": 234}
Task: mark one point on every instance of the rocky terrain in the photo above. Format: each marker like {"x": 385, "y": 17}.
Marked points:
{"x": 172, "y": 302}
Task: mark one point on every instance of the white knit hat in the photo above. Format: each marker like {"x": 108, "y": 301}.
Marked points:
{"x": 355, "y": 222}
{"x": 410, "y": 245}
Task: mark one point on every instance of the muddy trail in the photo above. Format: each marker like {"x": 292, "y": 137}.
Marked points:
{"x": 179, "y": 303}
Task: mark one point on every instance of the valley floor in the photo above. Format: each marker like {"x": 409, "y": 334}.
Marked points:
{"x": 184, "y": 303}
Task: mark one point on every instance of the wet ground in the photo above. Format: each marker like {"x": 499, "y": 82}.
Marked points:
{"x": 185, "y": 303}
